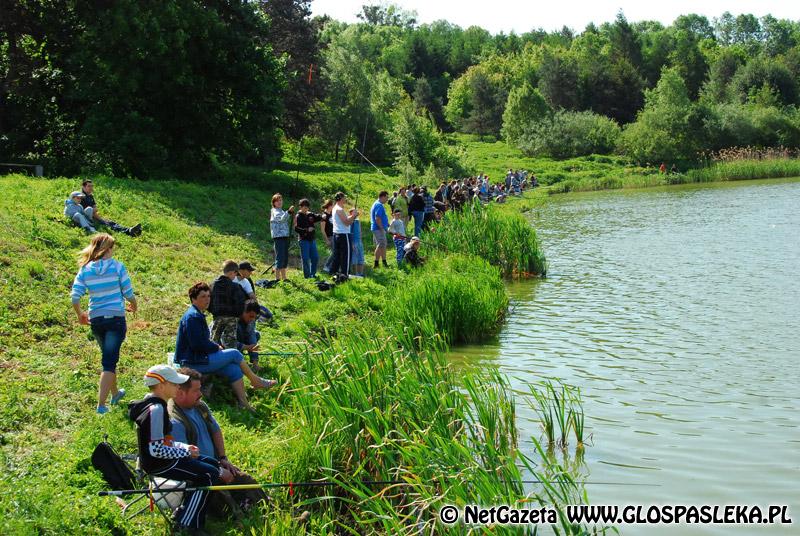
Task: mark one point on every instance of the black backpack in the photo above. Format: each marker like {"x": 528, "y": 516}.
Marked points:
{"x": 115, "y": 471}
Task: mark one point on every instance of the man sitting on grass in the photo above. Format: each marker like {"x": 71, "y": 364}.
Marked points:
{"x": 193, "y": 423}
{"x": 246, "y": 337}
{"x": 90, "y": 208}
{"x": 195, "y": 349}
{"x": 160, "y": 456}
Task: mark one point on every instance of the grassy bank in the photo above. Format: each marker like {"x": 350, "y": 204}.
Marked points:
{"x": 607, "y": 172}
{"x": 367, "y": 395}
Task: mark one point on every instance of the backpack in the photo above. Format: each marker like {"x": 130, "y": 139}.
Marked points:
{"x": 116, "y": 472}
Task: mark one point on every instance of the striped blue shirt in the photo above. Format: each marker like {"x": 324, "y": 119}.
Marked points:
{"x": 108, "y": 285}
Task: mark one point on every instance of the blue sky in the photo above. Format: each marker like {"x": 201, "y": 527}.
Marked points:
{"x": 522, "y": 16}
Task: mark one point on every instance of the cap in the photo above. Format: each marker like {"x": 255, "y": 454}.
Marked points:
{"x": 246, "y": 266}
{"x": 77, "y": 193}
{"x": 163, "y": 373}
{"x": 415, "y": 239}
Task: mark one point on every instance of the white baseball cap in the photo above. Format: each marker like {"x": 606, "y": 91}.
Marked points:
{"x": 163, "y": 373}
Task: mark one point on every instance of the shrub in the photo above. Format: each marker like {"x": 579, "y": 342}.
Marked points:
{"x": 568, "y": 134}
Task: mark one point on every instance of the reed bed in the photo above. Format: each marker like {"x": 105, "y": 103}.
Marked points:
{"x": 381, "y": 406}
{"x": 560, "y": 410}
{"x": 504, "y": 239}
{"x": 463, "y": 298}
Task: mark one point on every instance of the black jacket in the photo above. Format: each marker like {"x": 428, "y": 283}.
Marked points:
{"x": 416, "y": 204}
{"x": 227, "y": 297}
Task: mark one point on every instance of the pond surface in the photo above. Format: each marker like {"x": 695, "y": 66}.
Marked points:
{"x": 677, "y": 313}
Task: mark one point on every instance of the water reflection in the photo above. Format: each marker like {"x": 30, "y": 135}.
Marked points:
{"x": 675, "y": 312}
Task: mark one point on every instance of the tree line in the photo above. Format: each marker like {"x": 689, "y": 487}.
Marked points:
{"x": 179, "y": 86}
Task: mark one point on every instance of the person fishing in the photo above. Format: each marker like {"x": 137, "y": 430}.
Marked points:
{"x": 160, "y": 455}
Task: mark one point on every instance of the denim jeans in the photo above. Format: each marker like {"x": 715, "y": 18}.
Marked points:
{"x": 419, "y": 217}
{"x": 399, "y": 244}
{"x": 224, "y": 362}
{"x": 109, "y": 332}
{"x": 281, "y": 252}
{"x": 309, "y": 257}
{"x": 247, "y": 334}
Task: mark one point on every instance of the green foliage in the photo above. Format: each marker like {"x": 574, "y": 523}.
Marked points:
{"x": 147, "y": 89}
{"x": 418, "y": 144}
{"x": 670, "y": 128}
{"x": 570, "y": 134}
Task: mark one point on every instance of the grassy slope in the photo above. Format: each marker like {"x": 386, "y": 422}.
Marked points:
{"x": 48, "y": 385}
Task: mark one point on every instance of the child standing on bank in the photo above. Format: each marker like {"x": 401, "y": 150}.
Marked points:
{"x": 398, "y": 230}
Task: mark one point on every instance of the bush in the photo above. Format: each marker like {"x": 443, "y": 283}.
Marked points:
{"x": 568, "y": 134}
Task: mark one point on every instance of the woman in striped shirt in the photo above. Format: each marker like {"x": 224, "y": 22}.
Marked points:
{"x": 107, "y": 282}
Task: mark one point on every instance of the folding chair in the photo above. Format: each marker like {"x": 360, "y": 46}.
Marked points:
{"x": 165, "y": 502}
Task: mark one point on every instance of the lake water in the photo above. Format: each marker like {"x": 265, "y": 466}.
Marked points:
{"x": 677, "y": 313}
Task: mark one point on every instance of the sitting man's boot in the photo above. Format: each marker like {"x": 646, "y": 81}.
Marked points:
{"x": 136, "y": 230}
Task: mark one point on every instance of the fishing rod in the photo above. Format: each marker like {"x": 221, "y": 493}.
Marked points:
{"x": 318, "y": 484}
{"x": 369, "y": 162}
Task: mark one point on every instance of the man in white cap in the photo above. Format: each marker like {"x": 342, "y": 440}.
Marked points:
{"x": 160, "y": 456}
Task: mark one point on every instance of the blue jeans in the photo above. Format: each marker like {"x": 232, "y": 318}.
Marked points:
{"x": 281, "y": 252}
{"x": 399, "y": 244}
{"x": 419, "y": 218}
{"x": 247, "y": 334}
{"x": 224, "y": 362}
{"x": 109, "y": 332}
{"x": 309, "y": 257}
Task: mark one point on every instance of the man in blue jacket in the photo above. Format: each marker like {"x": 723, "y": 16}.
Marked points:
{"x": 195, "y": 349}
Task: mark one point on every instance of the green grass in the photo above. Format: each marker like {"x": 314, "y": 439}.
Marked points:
{"x": 369, "y": 396}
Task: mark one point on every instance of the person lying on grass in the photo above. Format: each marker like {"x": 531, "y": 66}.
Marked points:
{"x": 90, "y": 208}
{"x": 195, "y": 349}
{"x": 160, "y": 456}
{"x": 76, "y": 213}
{"x": 194, "y": 423}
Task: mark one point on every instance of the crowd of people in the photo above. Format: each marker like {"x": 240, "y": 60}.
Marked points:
{"x": 178, "y": 436}
{"x": 413, "y": 208}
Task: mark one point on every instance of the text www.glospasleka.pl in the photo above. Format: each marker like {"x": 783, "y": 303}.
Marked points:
{"x": 632, "y": 514}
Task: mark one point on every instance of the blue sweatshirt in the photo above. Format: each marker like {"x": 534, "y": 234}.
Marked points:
{"x": 108, "y": 285}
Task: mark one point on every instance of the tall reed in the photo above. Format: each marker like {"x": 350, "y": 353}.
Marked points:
{"x": 460, "y": 297}
{"x": 373, "y": 405}
{"x": 504, "y": 239}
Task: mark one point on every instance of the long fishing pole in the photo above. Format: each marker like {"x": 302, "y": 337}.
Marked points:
{"x": 322, "y": 483}
{"x": 369, "y": 162}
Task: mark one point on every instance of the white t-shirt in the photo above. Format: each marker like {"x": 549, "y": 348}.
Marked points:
{"x": 337, "y": 215}
{"x": 248, "y": 288}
